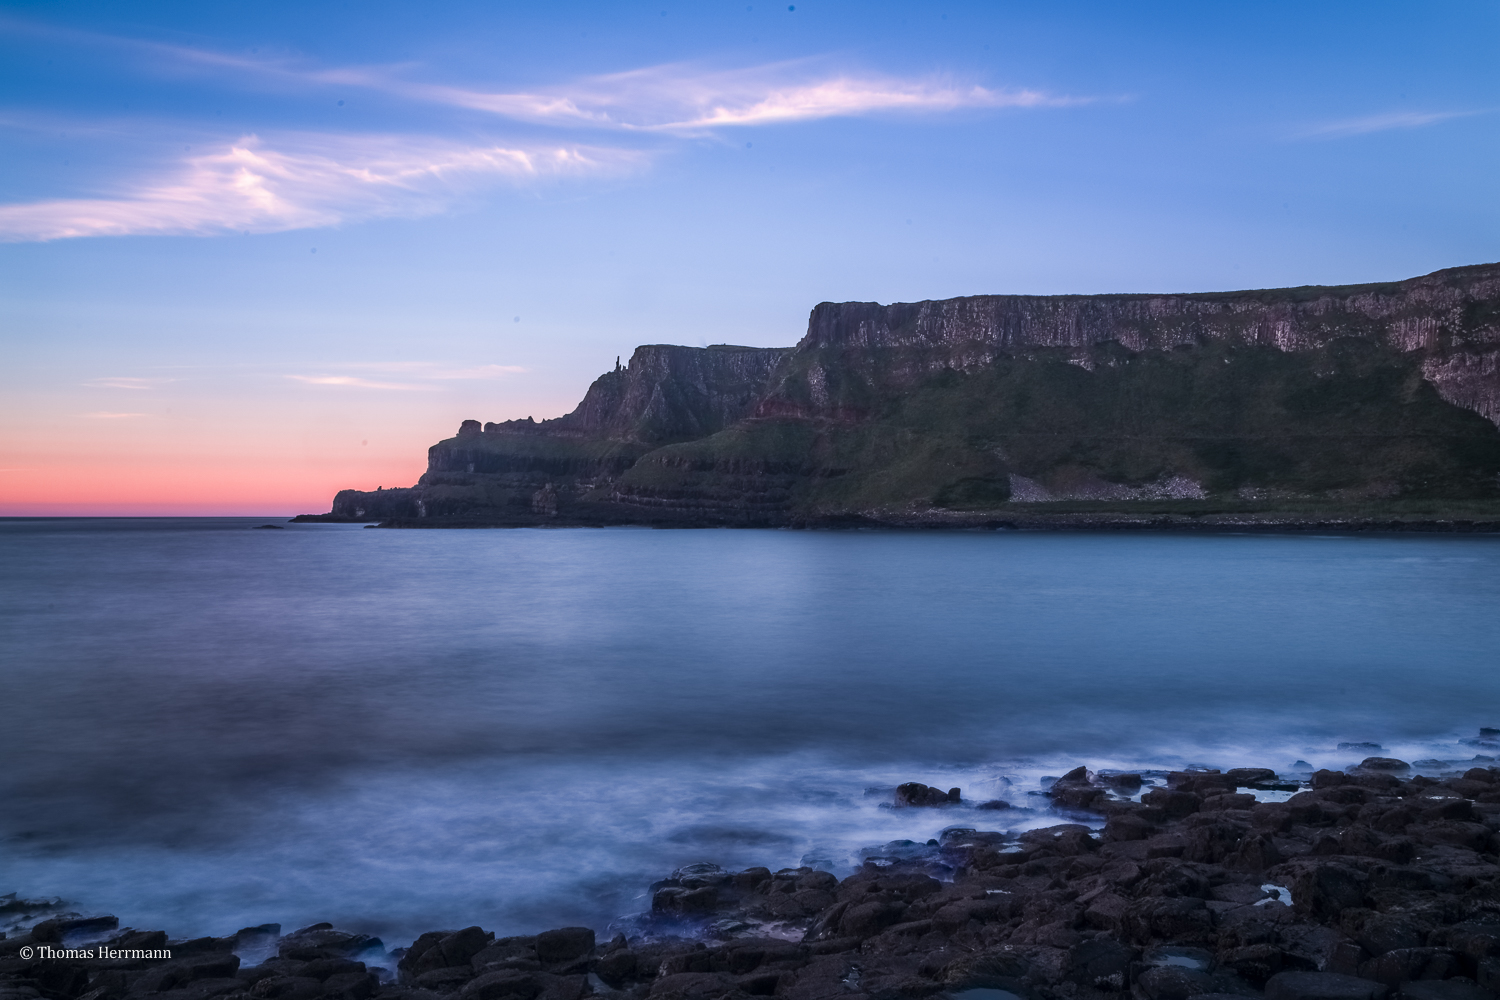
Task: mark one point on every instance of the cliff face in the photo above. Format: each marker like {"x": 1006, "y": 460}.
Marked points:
{"x": 856, "y": 351}
{"x": 671, "y": 393}
{"x": 999, "y": 406}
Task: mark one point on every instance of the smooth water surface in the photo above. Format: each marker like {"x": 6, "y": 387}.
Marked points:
{"x": 208, "y": 726}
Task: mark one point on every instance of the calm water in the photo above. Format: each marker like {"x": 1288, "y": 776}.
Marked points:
{"x": 207, "y": 726}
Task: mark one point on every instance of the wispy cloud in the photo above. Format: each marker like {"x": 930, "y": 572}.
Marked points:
{"x": 126, "y": 383}
{"x": 356, "y": 382}
{"x": 422, "y": 374}
{"x": 668, "y": 97}
{"x": 1379, "y": 123}
{"x": 480, "y": 372}
{"x": 677, "y": 97}
{"x": 101, "y": 415}
{"x": 303, "y": 181}
{"x": 291, "y": 181}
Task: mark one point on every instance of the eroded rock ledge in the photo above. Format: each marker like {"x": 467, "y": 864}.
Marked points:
{"x": 1362, "y": 885}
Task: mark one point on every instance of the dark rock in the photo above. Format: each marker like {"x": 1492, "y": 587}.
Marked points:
{"x": 1443, "y": 989}
{"x": 1470, "y": 836}
{"x": 324, "y": 967}
{"x": 1228, "y": 800}
{"x": 1403, "y": 964}
{"x": 685, "y": 985}
{"x": 1176, "y": 804}
{"x": 445, "y": 980}
{"x": 751, "y": 877}
{"x": 1101, "y": 963}
{"x": 1384, "y": 764}
{"x": 1322, "y": 986}
{"x": 1127, "y": 781}
{"x": 685, "y": 902}
{"x": 1171, "y": 982}
{"x": 500, "y": 985}
{"x": 350, "y": 986}
{"x": 1075, "y": 790}
{"x": 914, "y": 793}
{"x": 287, "y": 988}
{"x": 617, "y": 968}
{"x": 564, "y": 944}
{"x": 63, "y": 978}
{"x": 1127, "y": 827}
{"x": 132, "y": 940}
{"x": 869, "y": 919}
{"x": 458, "y": 948}
{"x": 1390, "y": 932}
{"x": 322, "y": 941}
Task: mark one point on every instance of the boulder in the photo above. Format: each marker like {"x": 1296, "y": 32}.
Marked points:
{"x": 1383, "y": 764}
{"x": 916, "y": 794}
{"x": 564, "y": 944}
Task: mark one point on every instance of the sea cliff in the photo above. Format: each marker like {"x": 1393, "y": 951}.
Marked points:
{"x": 1355, "y": 406}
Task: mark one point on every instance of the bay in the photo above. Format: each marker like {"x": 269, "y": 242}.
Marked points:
{"x": 209, "y": 726}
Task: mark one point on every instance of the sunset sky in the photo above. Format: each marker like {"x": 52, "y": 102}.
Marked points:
{"x": 253, "y": 253}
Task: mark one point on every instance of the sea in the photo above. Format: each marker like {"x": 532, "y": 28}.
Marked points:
{"x": 206, "y": 724}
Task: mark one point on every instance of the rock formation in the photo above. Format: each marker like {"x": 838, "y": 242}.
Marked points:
{"x": 1310, "y": 405}
{"x": 1360, "y": 886}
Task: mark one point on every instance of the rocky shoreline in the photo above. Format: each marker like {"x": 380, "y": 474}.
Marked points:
{"x": 1364, "y": 884}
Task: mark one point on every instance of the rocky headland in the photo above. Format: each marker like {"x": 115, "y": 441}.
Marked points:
{"x": 1361, "y": 406}
{"x": 1363, "y": 884}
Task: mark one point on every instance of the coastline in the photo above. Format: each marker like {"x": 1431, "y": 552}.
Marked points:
{"x": 1077, "y": 517}
{"x": 1362, "y": 883}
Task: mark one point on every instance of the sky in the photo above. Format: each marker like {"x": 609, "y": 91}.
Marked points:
{"x": 255, "y": 253}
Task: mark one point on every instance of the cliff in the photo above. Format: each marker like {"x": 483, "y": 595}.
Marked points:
{"x": 1312, "y": 405}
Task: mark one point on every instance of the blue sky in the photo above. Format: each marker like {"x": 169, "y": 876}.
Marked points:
{"x": 256, "y": 252}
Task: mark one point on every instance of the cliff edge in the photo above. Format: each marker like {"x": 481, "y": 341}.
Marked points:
{"x": 1366, "y": 405}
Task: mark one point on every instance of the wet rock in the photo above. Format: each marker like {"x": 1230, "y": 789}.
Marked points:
{"x": 1101, "y": 963}
{"x": 868, "y": 919}
{"x": 1175, "y": 804}
{"x": 685, "y": 985}
{"x": 1127, "y": 827}
{"x": 323, "y": 968}
{"x": 916, "y": 794}
{"x": 63, "y": 978}
{"x": 1174, "y": 983}
{"x": 1228, "y": 800}
{"x": 441, "y": 950}
{"x": 322, "y": 941}
{"x": 1075, "y": 790}
{"x": 1383, "y": 764}
{"x": 564, "y": 944}
{"x": 617, "y": 968}
{"x": 444, "y": 980}
{"x": 1127, "y": 781}
{"x": 350, "y": 986}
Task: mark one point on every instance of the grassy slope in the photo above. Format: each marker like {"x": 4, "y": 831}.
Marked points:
{"x": 1351, "y": 417}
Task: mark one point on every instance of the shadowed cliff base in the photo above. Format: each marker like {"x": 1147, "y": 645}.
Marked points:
{"x": 1337, "y": 408}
